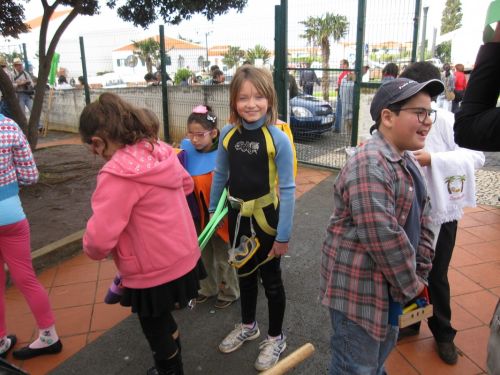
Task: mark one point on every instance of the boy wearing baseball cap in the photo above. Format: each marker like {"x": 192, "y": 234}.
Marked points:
{"x": 378, "y": 250}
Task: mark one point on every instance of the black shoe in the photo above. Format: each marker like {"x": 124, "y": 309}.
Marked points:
{"x": 447, "y": 352}
{"x": 172, "y": 366}
{"x": 27, "y": 352}
{"x": 13, "y": 340}
{"x": 408, "y": 332}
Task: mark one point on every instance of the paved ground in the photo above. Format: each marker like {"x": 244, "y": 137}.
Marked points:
{"x": 123, "y": 350}
{"x": 492, "y": 161}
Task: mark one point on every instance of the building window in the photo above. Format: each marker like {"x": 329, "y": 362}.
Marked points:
{"x": 180, "y": 62}
{"x": 201, "y": 62}
{"x": 118, "y": 62}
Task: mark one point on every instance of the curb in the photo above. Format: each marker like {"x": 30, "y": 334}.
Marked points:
{"x": 57, "y": 251}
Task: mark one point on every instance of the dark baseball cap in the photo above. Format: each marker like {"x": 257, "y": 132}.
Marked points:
{"x": 400, "y": 89}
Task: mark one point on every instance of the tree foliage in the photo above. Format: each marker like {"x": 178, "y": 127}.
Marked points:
{"x": 140, "y": 12}
{"x": 11, "y": 19}
{"x": 452, "y": 16}
{"x": 443, "y": 51}
{"x": 318, "y": 31}
{"x": 145, "y": 12}
{"x": 147, "y": 50}
{"x": 258, "y": 52}
{"x": 182, "y": 74}
{"x": 233, "y": 56}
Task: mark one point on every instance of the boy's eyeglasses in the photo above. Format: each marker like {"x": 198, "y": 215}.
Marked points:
{"x": 198, "y": 135}
{"x": 422, "y": 114}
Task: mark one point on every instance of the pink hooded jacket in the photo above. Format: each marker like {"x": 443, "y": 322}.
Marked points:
{"x": 141, "y": 216}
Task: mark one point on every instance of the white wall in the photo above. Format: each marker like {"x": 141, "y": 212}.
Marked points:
{"x": 66, "y": 105}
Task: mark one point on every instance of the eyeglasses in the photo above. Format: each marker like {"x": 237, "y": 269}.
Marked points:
{"x": 422, "y": 114}
{"x": 198, "y": 135}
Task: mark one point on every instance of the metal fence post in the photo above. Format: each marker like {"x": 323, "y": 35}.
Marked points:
{"x": 164, "y": 91}
{"x": 360, "y": 42}
{"x": 424, "y": 31}
{"x": 25, "y": 58}
{"x": 84, "y": 70}
{"x": 280, "y": 57}
{"x": 416, "y": 22}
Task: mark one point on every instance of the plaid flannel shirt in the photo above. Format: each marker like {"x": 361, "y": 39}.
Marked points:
{"x": 366, "y": 254}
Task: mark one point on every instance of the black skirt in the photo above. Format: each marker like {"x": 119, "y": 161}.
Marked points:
{"x": 155, "y": 301}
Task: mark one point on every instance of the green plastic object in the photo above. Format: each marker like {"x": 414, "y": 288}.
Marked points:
{"x": 219, "y": 214}
{"x": 492, "y": 16}
{"x": 53, "y": 69}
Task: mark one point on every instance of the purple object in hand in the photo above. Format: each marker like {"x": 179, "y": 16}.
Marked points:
{"x": 115, "y": 291}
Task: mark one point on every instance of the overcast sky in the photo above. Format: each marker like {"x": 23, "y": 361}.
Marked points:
{"x": 256, "y": 23}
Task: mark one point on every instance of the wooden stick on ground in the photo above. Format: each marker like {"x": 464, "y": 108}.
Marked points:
{"x": 291, "y": 361}
{"x": 45, "y": 127}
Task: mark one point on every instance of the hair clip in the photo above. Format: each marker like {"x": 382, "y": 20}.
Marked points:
{"x": 212, "y": 119}
{"x": 201, "y": 109}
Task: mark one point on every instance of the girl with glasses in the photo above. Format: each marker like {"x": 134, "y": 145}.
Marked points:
{"x": 200, "y": 149}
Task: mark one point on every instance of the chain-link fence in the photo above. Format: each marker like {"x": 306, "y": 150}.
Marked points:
{"x": 337, "y": 55}
{"x": 338, "y": 64}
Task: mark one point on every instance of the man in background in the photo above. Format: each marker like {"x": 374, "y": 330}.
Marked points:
{"x": 307, "y": 80}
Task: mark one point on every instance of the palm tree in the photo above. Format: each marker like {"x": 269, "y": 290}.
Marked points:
{"x": 147, "y": 50}
{"x": 318, "y": 32}
{"x": 258, "y": 52}
{"x": 232, "y": 56}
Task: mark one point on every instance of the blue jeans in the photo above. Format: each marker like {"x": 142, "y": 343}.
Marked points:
{"x": 354, "y": 351}
{"x": 338, "y": 115}
{"x": 26, "y": 101}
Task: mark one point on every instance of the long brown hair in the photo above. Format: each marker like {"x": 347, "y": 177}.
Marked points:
{"x": 263, "y": 81}
{"x": 112, "y": 118}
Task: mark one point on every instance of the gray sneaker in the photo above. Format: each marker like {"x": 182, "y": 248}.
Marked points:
{"x": 237, "y": 337}
{"x": 270, "y": 350}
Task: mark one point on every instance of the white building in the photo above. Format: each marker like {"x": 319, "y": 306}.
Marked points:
{"x": 101, "y": 34}
{"x": 182, "y": 53}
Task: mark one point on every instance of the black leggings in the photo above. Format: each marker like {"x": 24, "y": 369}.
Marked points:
{"x": 270, "y": 273}
{"x": 158, "y": 332}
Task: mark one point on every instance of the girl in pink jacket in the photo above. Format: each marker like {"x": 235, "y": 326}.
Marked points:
{"x": 141, "y": 218}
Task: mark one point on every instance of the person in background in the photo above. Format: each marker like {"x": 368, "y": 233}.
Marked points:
{"x": 449, "y": 171}
{"x": 378, "y": 248}
{"x": 389, "y": 72}
{"x": 460, "y": 86}
{"x": 445, "y": 99}
{"x": 140, "y": 216}
{"x": 24, "y": 86}
{"x": 366, "y": 74}
{"x": 4, "y": 108}
{"x": 151, "y": 80}
{"x": 346, "y": 94}
{"x": 157, "y": 77}
{"x": 62, "y": 83}
{"x": 200, "y": 148}
{"x": 218, "y": 77}
{"x": 209, "y": 80}
{"x": 293, "y": 89}
{"x": 477, "y": 126}
{"x": 17, "y": 168}
{"x": 307, "y": 79}
{"x": 255, "y": 158}
{"x": 344, "y": 64}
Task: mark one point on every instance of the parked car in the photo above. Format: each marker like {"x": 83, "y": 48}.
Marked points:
{"x": 310, "y": 116}
{"x": 437, "y": 62}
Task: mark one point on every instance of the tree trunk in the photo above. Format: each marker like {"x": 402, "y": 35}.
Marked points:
{"x": 43, "y": 75}
{"x": 149, "y": 64}
{"x": 325, "y": 80}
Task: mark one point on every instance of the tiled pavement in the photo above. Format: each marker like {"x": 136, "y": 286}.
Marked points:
{"x": 76, "y": 288}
